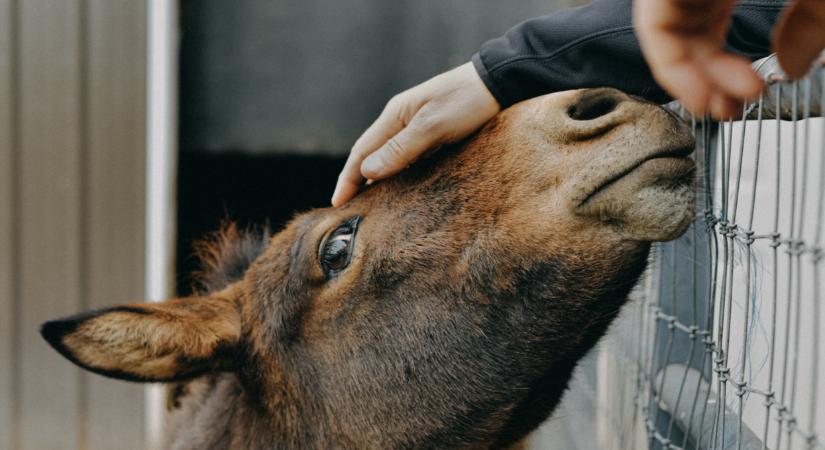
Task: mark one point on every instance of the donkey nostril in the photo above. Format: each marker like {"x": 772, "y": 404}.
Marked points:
{"x": 594, "y": 104}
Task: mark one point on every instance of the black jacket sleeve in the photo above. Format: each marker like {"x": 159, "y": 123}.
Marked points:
{"x": 594, "y": 46}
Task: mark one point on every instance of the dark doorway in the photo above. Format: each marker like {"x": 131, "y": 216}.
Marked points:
{"x": 250, "y": 190}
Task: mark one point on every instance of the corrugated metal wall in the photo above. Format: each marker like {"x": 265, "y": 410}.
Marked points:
{"x": 72, "y": 116}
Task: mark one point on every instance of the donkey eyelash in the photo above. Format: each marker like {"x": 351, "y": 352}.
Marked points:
{"x": 340, "y": 237}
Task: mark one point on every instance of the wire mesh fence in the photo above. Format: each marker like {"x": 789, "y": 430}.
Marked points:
{"x": 721, "y": 348}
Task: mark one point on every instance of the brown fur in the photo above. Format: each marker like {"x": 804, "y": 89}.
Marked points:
{"x": 478, "y": 279}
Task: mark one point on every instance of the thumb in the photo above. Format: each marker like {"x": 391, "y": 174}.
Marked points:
{"x": 800, "y": 36}
{"x": 401, "y": 150}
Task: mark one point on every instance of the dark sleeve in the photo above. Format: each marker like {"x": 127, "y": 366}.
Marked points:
{"x": 594, "y": 46}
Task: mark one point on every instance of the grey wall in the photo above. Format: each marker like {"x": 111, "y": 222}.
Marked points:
{"x": 309, "y": 75}
{"x": 71, "y": 211}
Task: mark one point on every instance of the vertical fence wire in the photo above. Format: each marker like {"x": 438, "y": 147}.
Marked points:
{"x": 725, "y": 347}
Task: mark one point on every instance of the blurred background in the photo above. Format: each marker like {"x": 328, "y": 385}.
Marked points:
{"x": 128, "y": 128}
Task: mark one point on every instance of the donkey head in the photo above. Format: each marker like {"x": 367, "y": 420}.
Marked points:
{"x": 446, "y": 307}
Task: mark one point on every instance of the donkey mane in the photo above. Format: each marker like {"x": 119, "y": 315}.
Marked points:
{"x": 225, "y": 255}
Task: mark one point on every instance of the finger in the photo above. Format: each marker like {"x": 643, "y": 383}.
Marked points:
{"x": 350, "y": 179}
{"x": 800, "y": 36}
{"x": 387, "y": 125}
{"x": 673, "y": 64}
{"x": 688, "y": 84}
{"x": 734, "y": 76}
{"x": 401, "y": 150}
{"x": 723, "y": 107}
{"x": 347, "y": 185}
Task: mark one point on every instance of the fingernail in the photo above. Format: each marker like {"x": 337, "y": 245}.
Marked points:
{"x": 371, "y": 167}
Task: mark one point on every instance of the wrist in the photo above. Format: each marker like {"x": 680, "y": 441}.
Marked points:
{"x": 487, "y": 80}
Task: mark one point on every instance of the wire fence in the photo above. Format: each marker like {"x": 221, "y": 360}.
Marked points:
{"x": 721, "y": 348}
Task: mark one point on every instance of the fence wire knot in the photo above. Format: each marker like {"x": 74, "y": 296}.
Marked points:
{"x": 740, "y": 387}
{"x": 748, "y": 238}
{"x": 816, "y": 254}
{"x": 769, "y": 399}
{"x": 722, "y": 371}
{"x": 795, "y": 247}
{"x": 791, "y": 421}
{"x": 727, "y": 229}
{"x": 780, "y": 412}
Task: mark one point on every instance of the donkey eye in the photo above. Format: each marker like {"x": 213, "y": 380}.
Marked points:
{"x": 336, "y": 249}
{"x": 336, "y": 252}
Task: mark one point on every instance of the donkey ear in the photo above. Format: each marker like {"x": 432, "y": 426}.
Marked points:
{"x": 170, "y": 341}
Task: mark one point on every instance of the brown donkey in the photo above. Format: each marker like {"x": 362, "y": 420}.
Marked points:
{"x": 444, "y": 308}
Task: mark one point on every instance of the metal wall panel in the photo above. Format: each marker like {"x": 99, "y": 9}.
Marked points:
{"x": 115, "y": 198}
{"x": 7, "y": 360}
{"x": 50, "y": 237}
{"x": 72, "y": 123}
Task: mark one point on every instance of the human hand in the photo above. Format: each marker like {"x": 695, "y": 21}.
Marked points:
{"x": 800, "y": 36}
{"x": 444, "y": 109}
{"x": 683, "y": 40}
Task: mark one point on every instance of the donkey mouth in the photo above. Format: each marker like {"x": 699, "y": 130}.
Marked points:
{"x": 668, "y": 167}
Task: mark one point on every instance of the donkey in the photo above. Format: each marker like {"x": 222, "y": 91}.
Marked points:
{"x": 444, "y": 308}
